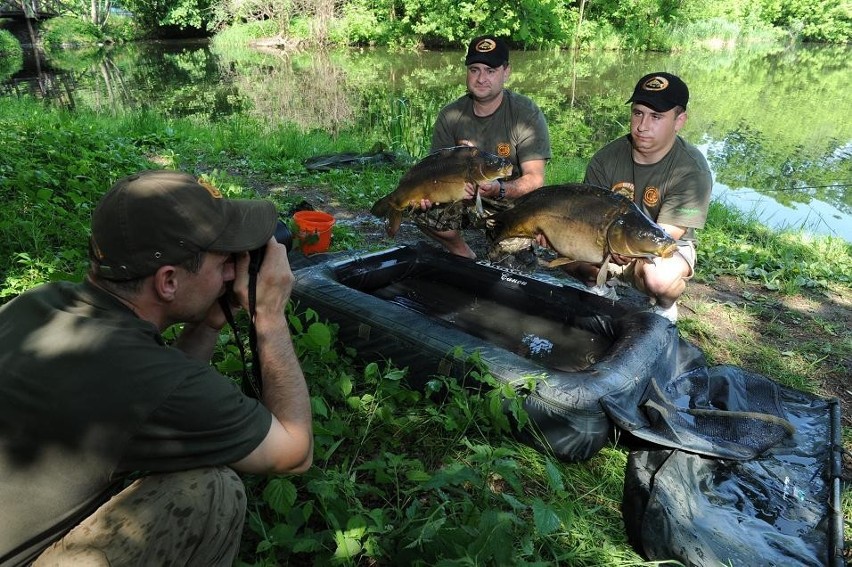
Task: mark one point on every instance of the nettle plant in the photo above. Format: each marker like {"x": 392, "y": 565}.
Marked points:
{"x": 401, "y": 475}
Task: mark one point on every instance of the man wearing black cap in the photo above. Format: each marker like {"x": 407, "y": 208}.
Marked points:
{"x": 495, "y": 120}
{"x": 667, "y": 178}
{"x": 90, "y": 391}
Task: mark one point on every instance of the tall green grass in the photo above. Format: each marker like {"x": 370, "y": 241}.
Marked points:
{"x": 787, "y": 261}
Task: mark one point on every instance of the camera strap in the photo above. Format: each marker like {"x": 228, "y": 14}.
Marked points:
{"x": 252, "y": 385}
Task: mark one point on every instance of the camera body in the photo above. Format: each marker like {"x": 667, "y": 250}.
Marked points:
{"x": 282, "y": 234}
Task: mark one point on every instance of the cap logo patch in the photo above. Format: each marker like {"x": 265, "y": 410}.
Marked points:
{"x": 504, "y": 150}
{"x": 656, "y": 84}
{"x": 651, "y": 197}
{"x": 210, "y": 189}
{"x": 486, "y": 45}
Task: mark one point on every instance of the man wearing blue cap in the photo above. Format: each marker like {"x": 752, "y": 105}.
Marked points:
{"x": 666, "y": 177}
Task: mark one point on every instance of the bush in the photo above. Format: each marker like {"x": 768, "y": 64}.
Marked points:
{"x": 11, "y": 55}
{"x": 120, "y": 29}
{"x": 69, "y": 31}
{"x": 243, "y": 34}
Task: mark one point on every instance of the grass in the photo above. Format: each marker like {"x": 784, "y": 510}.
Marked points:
{"x": 404, "y": 477}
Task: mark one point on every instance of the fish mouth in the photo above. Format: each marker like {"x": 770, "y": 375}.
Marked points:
{"x": 668, "y": 251}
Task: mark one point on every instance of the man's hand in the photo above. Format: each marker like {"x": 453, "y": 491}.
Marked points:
{"x": 274, "y": 280}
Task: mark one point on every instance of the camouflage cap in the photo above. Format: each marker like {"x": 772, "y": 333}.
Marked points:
{"x": 159, "y": 217}
{"x": 661, "y": 91}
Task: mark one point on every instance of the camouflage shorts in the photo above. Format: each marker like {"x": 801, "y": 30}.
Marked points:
{"x": 457, "y": 216}
{"x": 192, "y": 517}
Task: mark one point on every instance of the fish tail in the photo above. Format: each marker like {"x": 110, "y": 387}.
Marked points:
{"x": 394, "y": 220}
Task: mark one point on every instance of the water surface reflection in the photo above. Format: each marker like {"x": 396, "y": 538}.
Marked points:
{"x": 776, "y": 127}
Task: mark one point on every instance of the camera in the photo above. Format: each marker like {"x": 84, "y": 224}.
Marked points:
{"x": 282, "y": 236}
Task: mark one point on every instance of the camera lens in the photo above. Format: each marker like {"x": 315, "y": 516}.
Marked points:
{"x": 283, "y": 235}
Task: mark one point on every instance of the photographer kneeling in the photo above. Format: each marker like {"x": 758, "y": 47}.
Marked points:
{"x": 90, "y": 393}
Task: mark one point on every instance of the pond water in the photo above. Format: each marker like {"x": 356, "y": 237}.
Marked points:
{"x": 776, "y": 125}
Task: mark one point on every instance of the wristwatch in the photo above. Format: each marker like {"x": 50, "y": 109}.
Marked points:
{"x": 502, "y": 194}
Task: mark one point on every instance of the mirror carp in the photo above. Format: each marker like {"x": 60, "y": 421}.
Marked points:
{"x": 582, "y": 223}
{"x": 440, "y": 177}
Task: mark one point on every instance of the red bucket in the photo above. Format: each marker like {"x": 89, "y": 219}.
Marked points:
{"x": 314, "y": 231}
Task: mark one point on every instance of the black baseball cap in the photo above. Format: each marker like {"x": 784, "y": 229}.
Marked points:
{"x": 159, "y": 217}
{"x": 661, "y": 91}
{"x": 487, "y": 49}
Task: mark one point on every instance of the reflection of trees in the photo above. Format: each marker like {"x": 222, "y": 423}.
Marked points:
{"x": 746, "y": 157}
{"x": 764, "y": 114}
{"x": 309, "y": 90}
{"x": 174, "y": 82}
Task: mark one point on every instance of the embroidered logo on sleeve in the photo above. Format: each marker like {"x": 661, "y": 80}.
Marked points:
{"x": 504, "y": 149}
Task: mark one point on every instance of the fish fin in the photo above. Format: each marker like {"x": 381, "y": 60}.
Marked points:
{"x": 479, "y": 209}
{"x": 382, "y": 207}
{"x": 394, "y": 220}
{"x": 603, "y": 273}
{"x": 561, "y": 261}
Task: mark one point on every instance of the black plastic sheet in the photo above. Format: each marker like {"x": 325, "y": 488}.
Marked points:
{"x": 781, "y": 507}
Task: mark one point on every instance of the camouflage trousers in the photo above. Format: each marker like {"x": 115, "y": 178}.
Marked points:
{"x": 192, "y": 517}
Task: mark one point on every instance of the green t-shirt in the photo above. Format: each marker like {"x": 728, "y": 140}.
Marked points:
{"x": 89, "y": 393}
{"x": 517, "y": 130}
{"x": 676, "y": 190}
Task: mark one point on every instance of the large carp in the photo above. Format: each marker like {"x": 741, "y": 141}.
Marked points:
{"x": 440, "y": 177}
{"x": 582, "y": 223}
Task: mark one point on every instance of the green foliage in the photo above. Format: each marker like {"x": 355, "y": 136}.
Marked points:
{"x": 644, "y": 24}
{"x": 53, "y": 167}
{"x": 820, "y": 20}
{"x": 120, "y": 28}
{"x": 242, "y": 34}
{"x": 529, "y": 22}
{"x": 69, "y": 31}
{"x": 361, "y": 23}
{"x": 180, "y": 13}
{"x": 11, "y": 55}
{"x": 734, "y": 243}
{"x": 419, "y": 478}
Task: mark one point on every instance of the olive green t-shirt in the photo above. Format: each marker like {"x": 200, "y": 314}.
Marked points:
{"x": 517, "y": 130}
{"x": 89, "y": 393}
{"x": 676, "y": 190}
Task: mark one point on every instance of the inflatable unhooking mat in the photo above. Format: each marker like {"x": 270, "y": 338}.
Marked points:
{"x": 731, "y": 468}
{"x": 415, "y": 305}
